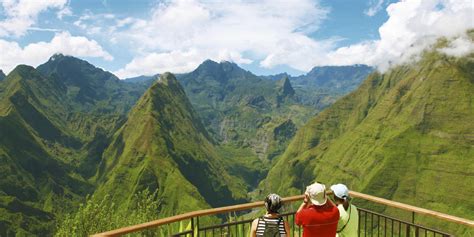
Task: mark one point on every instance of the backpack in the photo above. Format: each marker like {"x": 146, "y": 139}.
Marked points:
{"x": 271, "y": 229}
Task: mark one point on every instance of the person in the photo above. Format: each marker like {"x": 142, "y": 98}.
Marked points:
{"x": 270, "y": 224}
{"x": 348, "y": 225}
{"x": 318, "y": 215}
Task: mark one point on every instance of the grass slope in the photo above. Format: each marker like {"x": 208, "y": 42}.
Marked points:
{"x": 163, "y": 146}
{"x": 405, "y": 135}
{"x": 56, "y": 121}
{"x": 34, "y": 181}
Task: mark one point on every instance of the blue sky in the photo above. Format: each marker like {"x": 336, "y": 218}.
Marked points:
{"x": 132, "y": 38}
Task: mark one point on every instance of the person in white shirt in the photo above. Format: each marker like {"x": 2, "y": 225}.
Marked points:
{"x": 348, "y": 225}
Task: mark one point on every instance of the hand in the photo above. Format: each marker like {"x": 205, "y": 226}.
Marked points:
{"x": 306, "y": 199}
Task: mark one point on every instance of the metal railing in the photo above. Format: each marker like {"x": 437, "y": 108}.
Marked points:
{"x": 370, "y": 223}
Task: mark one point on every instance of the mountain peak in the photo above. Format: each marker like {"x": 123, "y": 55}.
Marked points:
{"x": 169, "y": 80}
{"x": 285, "y": 89}
{"x": 73, "y": 70}
{"x": 208, "y": 62}
{"x": 56, "y": 56}
{"x": 2, "y": 75}
{"x": 23, "y": 69}
{"x": 222, "y": 65}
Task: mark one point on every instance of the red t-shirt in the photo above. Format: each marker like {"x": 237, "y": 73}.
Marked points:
{"x": 318, "y": 221}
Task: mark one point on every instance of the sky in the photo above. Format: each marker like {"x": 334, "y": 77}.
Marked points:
{"x": 146, "y": 37}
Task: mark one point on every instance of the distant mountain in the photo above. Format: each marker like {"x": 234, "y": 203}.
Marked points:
{"x": 141, "y": 79}
{"x": 285, "y": 90}
{"x": 322, "y": 86}
{"x": 90, "y": 87}
{"x": 341, "y": 78}
{"x": 241, "y": 109}
{"x": 276, "y": 76}
{"x": 406, "y": 135}
{"x": 2, "y": 75}
{"x": 164, "y": 146}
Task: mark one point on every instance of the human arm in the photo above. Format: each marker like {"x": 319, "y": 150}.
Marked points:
{"x": 253, "y": 229}
{"x": 287, "y": 228}
{"x": 303, "y": 205}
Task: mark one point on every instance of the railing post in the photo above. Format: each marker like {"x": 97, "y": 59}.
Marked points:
{"x": 413, "y": 217}
{"x": 192, "y": 226}
{"x": 197, "y": 226}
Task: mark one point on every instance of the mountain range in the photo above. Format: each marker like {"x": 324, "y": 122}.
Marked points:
{"x": 237, "y": 114}
{"x": 70, "y": 129}
{"x": 404, "y": 135}
{"x": 72, "y": 132}
{"x": 56, "y": 121}
{"x": 164, "y": 146}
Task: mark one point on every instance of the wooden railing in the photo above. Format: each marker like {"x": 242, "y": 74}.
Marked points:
{"x": 248, "y": 206}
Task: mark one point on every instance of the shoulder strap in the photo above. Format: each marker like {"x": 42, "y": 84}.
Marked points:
{"x": 348, "y": 219}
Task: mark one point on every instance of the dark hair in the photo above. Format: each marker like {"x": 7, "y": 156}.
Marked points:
{"x": 273, "y": 203}
{"x": 344, "y": 198}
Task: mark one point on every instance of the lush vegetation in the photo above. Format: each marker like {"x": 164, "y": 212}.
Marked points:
{"x": 164, "y": 146}
{"x": 405, "y": 135}
{"x": 53, "y": 133}
{"x": 134, "y": 151}
{"x": 99, "y": 215}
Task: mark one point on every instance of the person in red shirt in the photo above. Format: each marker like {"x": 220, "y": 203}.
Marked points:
{"x": 318, "y": 215}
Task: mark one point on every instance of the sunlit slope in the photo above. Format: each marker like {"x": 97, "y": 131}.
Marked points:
{"x": 164, "y": 146}
{"x": 406, "y": 135}
{"x": 55, "y": 123}
{"x": 35, "y": 181}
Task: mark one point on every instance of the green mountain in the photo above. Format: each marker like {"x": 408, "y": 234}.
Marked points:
{"x": 338, "y": 78}
{"x": 56, "y": 122}
{"x": 405, "y": 135}
{"x": 2, "y": 75}
{"x": 141, "y": 79}
{"x": 242, "y": 110}
{"x": 91, "y": 88}
{"x": 164, "y": 146}
{"x": 36, "y": 178}
{"x": 322, "y": 86}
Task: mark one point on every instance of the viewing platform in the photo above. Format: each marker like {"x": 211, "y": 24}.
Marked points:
{"x": 371, "y": 223}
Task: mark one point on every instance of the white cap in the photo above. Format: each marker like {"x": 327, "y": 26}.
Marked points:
{"x": 340, "y": 190}
{"x": 317, "y": 194}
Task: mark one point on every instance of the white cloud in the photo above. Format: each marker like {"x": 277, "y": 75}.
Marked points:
{"x": 175, "y": 61}
{"x": 278, "y": 33}
{"x": 374, "y": 8}
{"x": 98, "y": 24}
{"x": 262, "y": 30}
{"x": 412, "y": 26}
{"x": 37, "y": 53}
{"x": 22, "y": 14}
{"x": 459, "y": 47}
{"x": 66, "y": 11}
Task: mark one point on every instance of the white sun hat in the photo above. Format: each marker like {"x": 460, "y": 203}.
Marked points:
{"x": 340, "y": 190}
{"x": 317, "y": 194}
